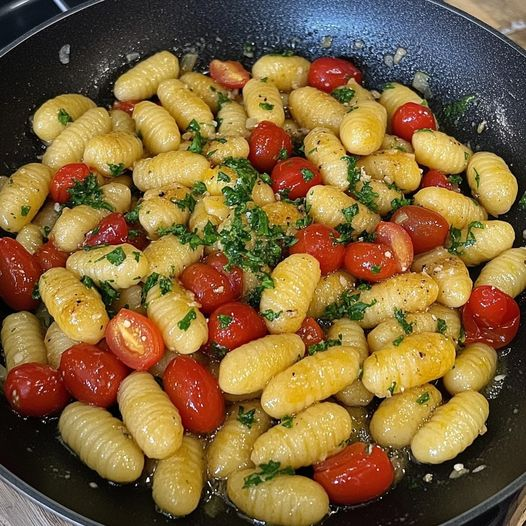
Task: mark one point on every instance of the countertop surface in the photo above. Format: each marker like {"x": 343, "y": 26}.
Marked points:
{"x": 509, "y": 17}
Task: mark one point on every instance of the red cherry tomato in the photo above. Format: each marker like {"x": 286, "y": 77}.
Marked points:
{"x": 370, "y": 261}
{"x": 411, "y": 117}
{"x": 65, "y": 178}
{"x": 295, "y": 176}
{"x": 125, "y": 105}
{"x": 134, "y": 339}
{"x": 229, "y": 73}
{"x": 328, "y": 73}
{"x": 357, "y": 474}
{"x": 49, "y": 256}
{"x": 112, "y": 230}
{"x": 211, "y": 287}
{"x": 35, "y": 389}
{"x": 490, "y": 316}
{"x": 137, "y": 236}
{"x": 235, "y": 274}
{"x": 399, "y": 241}
{"x": 320, "y": 241}
{"x": 19, "y": 273}
{"x": 437, "y": 178}
{"x": 234, "y": 324}
{"x": 426, "y": 228}
{"x": 195, "y": 393}
{"x": 92, "y": 376}
{"x": 310, "y": 332}
{"x": 268, "y": 143}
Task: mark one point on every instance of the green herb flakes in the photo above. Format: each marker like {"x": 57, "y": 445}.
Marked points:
{"x": 400, "y": 317}
{"x": 24, "y": 210}
{"x": 376, "y": 269}
{"x": 116, "y": 169}
{"x": 87, "y": 282}
{"x": 246, "y": 418}
{"x": 266, "y": 472}
{"x": 115, "y": 257}
{"x": 392, "y": 388}
{"x": 348, "y": 306}
{"x": 224, "y": 320}
{"x": 343, "y": 94}
{"x": 63, "y": 117}
{"x": 184, "y": 324}
{"x": 307, "y": 174}
{"x": 441, "y": 326}
{"x": 287, "y": 421}
{"x": 323, "y": 346}
{"x": 88, "y": 192}
{"x": 423, "y": 398}
{"x": 266, "y": 106}
{"x": 398, "y": 340}
{"x": 283, "y": 154}
{"x": 271, "y": 315}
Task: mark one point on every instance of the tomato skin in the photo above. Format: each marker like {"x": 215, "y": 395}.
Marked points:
{"x": 137, "y": 236}
{"x": 211, "y": 287}
{"x": 148, "y": 344}
{"x": 310, "y": 332}
{"x": 320, "y": 242}
{"x": 35, "y": 389}
{"x": 490, "y": 316}
{"x": 411, "y": 117}
{"x": 426, "y": 228}
{"x": 353, "y": 475}
{"x": 437, "y": 178}
{"x": 49, "y": 256}
{"x": 267, "y": 143}
{"x": 229, "y": 73}
{"x": 399, "y": 242}
{"x": 296, "y": 176}
{"x": 125, "y": 105}
{"x": 235, "y": 275}
{"x": 328, "y": 73}
{"x": 112, "y": 230}
{"x": 370, "y": 261}
{"x": 65, "y": 178}
{"x": 246, "y": 325}
{"x": 195, "y": 393}
{"x": 19, "y": 273}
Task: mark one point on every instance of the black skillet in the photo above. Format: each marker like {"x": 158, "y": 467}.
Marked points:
{"x": 462, "y": 57}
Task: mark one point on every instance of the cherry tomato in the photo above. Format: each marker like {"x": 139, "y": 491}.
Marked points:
{"x": 65, "y": 178}
{"x": 134, "y": 339}
{"x": 234, "y": 324}
{"x": 235, "y": 274}
{"x": 49, "y": 256}
{"x": 112, "y": 230}
{"x": 195, "y": 393}
{"x": 125, "y": 105}
{"x": 35, "y": 389}
{"x": 295, "y": 176}
{"x": 310, "y": 332}
{"x": 426, "y": 228}
{"x": 320, "y": 241}
{"x": 19, "y": 274}
{"x": 359, "y": 473}
{"x": 328, "y": 73}
{"x": 229, "y": 73}
{"x": 437, "y": 178}
{"x": 370, "y": 261}
{"x": 211, "y": 287}
{"x": 399, "y": 241}
{"x": 411, "y": 117}
{"x": 92, "y": 376}
{"x": 268, "y": 144}
{"x": 137, "y": 236}
{"x": 490, "y": 316}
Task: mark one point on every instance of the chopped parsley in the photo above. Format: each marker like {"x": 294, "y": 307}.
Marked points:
{"x": 323, "y": 345}
{"x": 400, "y": 317}
{"x": 287, "y": 421}
{"x": 399, "y": 202}
{"x": 116, "y": 169}
{"x": 246, "y": 418}
{"x": 398, "y": 340}
{"x": 187, "y": 203}
{"x": 271, "y": 315}
{"x": 24, "y": 210}
{"x": 224, "y": 320}
{"x": 441, "y": 326}
{"x": 376, "y": 269}
{"x": 283, "y": 154}
{"x": 184, "y": 323}
{"x": 165, "y": 285}
{"x": 266, "y": 472}
{"x": 136, "y": 256}
{"x": 222, "y": 99}
{"x": 347, "y": 306}
{"x": 133, "y": 215}
{"x": 343, "y": 94}
{"x": 522, "y": 202}
{"x": 199, "y": 188}
{"x": 266, "y": 106}
{"x": 150, "y": 282}
{"x": 307, "y": 174}
{"x": 115, "y": 257}
{"x": 87, "y": 282}
{"x": 455, "y": 179}
{"x": 108, "y": 293}
{"x": 88, "y": 192}
{"x": 457, "y": 245}
{"x": 35, "y": 294}
{"x": 387, "y": 85}
{"x": 198, "y": 141}
{"x": 63, "y": 117}
{"x": 477, "y": 177}
{"x": 423, "y": 398}
{"x": 452, "y": 111}
{"x": 223, "y": 177}
{"x": 392, "y": 388}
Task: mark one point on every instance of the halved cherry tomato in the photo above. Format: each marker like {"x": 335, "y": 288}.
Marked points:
{"x": 411, "y": 117}
{"x": 310, "y": 332}
{"x": 359, "y": 473}
{"x": 195, "y": 393}
{"x": 19, "y": 274}
{"x": 295, "y": 176}
{"x": 320, "y": 241}
{"x": 211, "y": 287}
{"x": 268, "y": 144}
{"x": 328, "y": 73}
{"x": 91, "y": 375}
{"x": 134, "y": 339}
{"x": 490, "y": 316}
{"x": 137, "y": 236}
{"x": 234, "y": 324}
{"x": 125, "y": 105}
{"x": 370, "y": 261}
{"x": 49, "y": 256}
{"x": 112, "y": 230}
{"x": 437, "y": 178}
{"x": 229, "y": 73}
{"x": 426, "y": 228}
{"x": 35, "y": 389}
{"x": 65, "y": 178}
{"x": 234, "y": 274}
{"x": 399, "y": 241}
